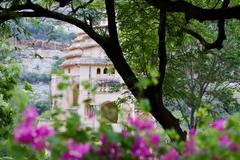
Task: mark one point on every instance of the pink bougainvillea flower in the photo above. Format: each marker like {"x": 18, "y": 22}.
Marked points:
{"x": 234, "y": 147}
{"x": 141, "y": 124}
{"x": 140, "y": 149}
{"x": 192, "y": 132}
{"x": 76, "y": 151}
{"x": 25, "y": 133}
{"x": 172, "y": 154}
{"x": 190, "y": 144}
{"x": 112, "y": 151}
{"x": 155, "y": 139}
{"x": 43, "y": 132}
{"x": 218, "y": 124}
{"x": 28, "y": 133}
{"x": 124, "y": 133}
{"x": 109, "y": 150}
{"x": 38, "y": 143}
{"x": 103, "y": 138}
{"x": 226, "y": 142}
{"x": 30, "y": 114}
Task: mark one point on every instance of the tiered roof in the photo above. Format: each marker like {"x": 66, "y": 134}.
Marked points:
{"x": 87, "y": 61}
{"x": 76, "y": 52}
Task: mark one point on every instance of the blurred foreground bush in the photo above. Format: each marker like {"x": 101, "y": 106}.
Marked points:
{"x": 70, "y": 140}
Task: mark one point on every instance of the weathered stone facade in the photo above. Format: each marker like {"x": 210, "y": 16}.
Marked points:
{"x": 87, "y": 62}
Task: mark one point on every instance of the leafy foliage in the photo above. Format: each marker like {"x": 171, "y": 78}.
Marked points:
{"x": 196, "y": 78}
{"x": 9, "y": 77}
{"x": 138, "y": 36}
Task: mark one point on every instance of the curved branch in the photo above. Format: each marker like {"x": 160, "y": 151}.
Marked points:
{"x": 193, "y": 12}
{"x": 38, "y": 11}
{"x": 221, "y": 33}
{"x": 216, "y": 44}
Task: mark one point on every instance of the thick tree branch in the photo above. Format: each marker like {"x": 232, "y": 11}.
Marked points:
{"x": 194, "y": 12}
{"x": 221, "y": 33}
{"x": 162, "y": 47}
{"x": 216, "y": 44}
{"x": 158, "y": 110}
{"x": 38, "y": 11}
{"x": 115, "y": 51}
{"x": 112, "y": 28}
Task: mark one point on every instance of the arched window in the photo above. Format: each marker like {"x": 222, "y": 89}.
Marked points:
{"x": 109, "y": 112}
{"x": 98, "y": 71}
{"x": 69, "y": 70}
{"x": 75, "y": 93}
{"x": 105, "y": 71}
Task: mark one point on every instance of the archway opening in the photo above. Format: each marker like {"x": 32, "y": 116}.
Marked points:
{"x": 109, "y": 112}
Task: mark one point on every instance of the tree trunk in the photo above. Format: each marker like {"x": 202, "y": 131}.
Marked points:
{"x": 153, "y": 93}
{"x": 192, "y": 119}
{"x": 161, "y": 114}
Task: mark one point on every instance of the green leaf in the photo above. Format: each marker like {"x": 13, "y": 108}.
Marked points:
{"x": 86, "y": 85}
{"x": 87, "y": 101}
{"x": 63, "y": 85}
{"x": 144, "y": 104}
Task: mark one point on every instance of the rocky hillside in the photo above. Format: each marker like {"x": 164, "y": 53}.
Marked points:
{"x": 36, "y": 65}
{"x": 38, "y": 55}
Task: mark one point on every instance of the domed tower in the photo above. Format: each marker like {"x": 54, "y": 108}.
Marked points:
{"x": 86, "y": 62}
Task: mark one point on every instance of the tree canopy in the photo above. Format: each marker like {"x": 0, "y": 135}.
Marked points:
{"x": 87, "y": 14}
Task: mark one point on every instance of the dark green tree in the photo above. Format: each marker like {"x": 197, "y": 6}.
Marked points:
{"x": 9, "y": 78}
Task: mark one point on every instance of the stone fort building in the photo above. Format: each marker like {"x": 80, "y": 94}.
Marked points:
{"x": 87, "y": 66}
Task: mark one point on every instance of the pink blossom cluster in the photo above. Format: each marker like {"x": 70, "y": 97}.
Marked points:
{"x": 141, "y": 124}
{"x": 140, "y": 148}
{"x": 149, "y": 141}
{"x": 172, "y": 154}
{"x": 224, "y": 139}
{"x": 28, "y": 133}
{"x": 226, "y": 142}
{"x": 190, "y": 144}
{"x": 218, "y": 124}
{"x": 75, "y": 151}
{"x": 144, "y": 141}
{"x": 109, "y": 149}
